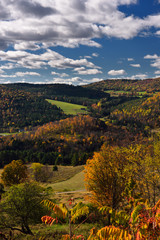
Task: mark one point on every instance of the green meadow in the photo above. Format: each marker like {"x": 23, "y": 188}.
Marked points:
{"x": 69, "y": 108}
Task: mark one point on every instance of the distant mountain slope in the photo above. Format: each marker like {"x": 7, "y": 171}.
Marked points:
{"x": 19, "y": 109}
{"x": 148, "y": 85}
{"x": 50, "y": 90}
{"x": 141, "y": 114}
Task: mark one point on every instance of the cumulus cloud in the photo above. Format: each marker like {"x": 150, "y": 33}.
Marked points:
{"x": 148, "y": 56}
{"x": 19, "y": 74}
{"x": 156, "y": 63}
{"x": 155, "y": 60}
{"x": 139, "y": 76}
{"x": 22, "y": 74}
{"x": 60, "y": 74}
{"x": 95, "y": 54}
{"x": 158, "y": 32}
{"x": 83, "y": 71}
{"x": 26, "y": 46}
{"x": 130, "y": 59}
{"x": 48, "y": 58}
{"x": 69, "y": 22}
{"x": 157, "y": 72}
{"x": 73, "y": 80}
{"x": 36, "y": 25}
{"x": 135, "y": 65}
{"x": 116, "y": 72}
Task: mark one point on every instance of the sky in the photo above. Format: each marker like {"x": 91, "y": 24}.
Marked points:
{"x": 79, "y": 41}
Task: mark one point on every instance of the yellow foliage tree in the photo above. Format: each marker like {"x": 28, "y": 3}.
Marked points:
{"x": 106, "y": 176}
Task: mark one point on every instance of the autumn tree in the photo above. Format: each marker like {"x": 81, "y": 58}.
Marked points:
{"x": 40, "y": 172}
{"x": 14, "y": 173}
{"x": 144, "y": 167}
{"x": 106, "y": 176}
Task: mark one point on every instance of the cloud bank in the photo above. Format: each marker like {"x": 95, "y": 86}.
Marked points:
{"x": 68, "y": 23}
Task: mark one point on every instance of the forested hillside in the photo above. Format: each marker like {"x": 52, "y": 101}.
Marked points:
{"x": 20, "y": 109}
{"x": 68, "y": 142}
{"x": 147, "y": 85}
{"x": 62, "y": 92}
{"x": 25, "y": 105}
{"x": 116, "y": 120}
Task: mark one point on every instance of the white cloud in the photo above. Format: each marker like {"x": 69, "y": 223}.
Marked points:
{"x": 60, "y": 74}
{"x": 68, "y": 22}
{"x": 63, "y": 63}
{"x": 26, "y": 46}
{"x": 22, "y": 74}
{"x": 73, "y": 80}
{"x": 155, "y": 60}
{"x": 48, "y": 58}
{"x": 157, "y": 72}
{"x": 8, "y": 76}
{"x": 130, "y": 59}
{"x": 156, "y": 63}
{"x": 116, "y": 72}
{"x": 135, "y": 65}
{"x": 87, "y": 57}
{"x": 19, "y": 74}
{"x": 36, "y": 25}
{"x": 83, "y": 71}
{"x": 139, "y": 76}
{"x": 8, "y": 66}
{"x": 158, "y": 32}
{"x": 95, "y": 54}
{"x": 148, "y": 56}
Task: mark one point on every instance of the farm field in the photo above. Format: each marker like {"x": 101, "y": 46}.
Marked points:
{"x": 75, "y": 183}
{"x": 119, "y": 92}
{"x": 69, "y": 108}
{"x": 7, "y": 134}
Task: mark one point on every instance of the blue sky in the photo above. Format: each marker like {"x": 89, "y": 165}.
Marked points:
{"x": 79, "y": 41}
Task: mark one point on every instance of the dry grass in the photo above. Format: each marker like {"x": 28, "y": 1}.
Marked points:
{"x": 65, "y": 172}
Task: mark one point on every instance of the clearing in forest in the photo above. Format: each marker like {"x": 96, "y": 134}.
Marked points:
{"x": 69, "y": 108}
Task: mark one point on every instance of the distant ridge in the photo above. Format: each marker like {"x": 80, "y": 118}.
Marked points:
{"x": 148, "y": 85}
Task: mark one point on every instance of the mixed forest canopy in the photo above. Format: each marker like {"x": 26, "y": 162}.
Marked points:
{"x": 118, "y": 112}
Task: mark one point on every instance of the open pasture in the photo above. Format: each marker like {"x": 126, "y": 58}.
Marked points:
{"x": 69, "y": 108}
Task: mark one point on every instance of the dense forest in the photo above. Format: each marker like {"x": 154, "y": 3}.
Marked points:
{"x": 147, "y": 85}
{"x": 49, "y": 136}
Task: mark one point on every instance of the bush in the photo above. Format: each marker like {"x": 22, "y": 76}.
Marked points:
{"x": 55, "y": 168}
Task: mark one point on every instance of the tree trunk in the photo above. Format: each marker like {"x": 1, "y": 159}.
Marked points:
{"x": 26, "y": 229}
{"x": 70, "y": 229}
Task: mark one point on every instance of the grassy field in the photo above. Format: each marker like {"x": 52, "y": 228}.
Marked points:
{"x": 7, "y": 134}
{"x": 67, "y": 183}
{"x": 69, "y": 108}
{"x": 75, "y": 183}
{"x": 118, "y": 92}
